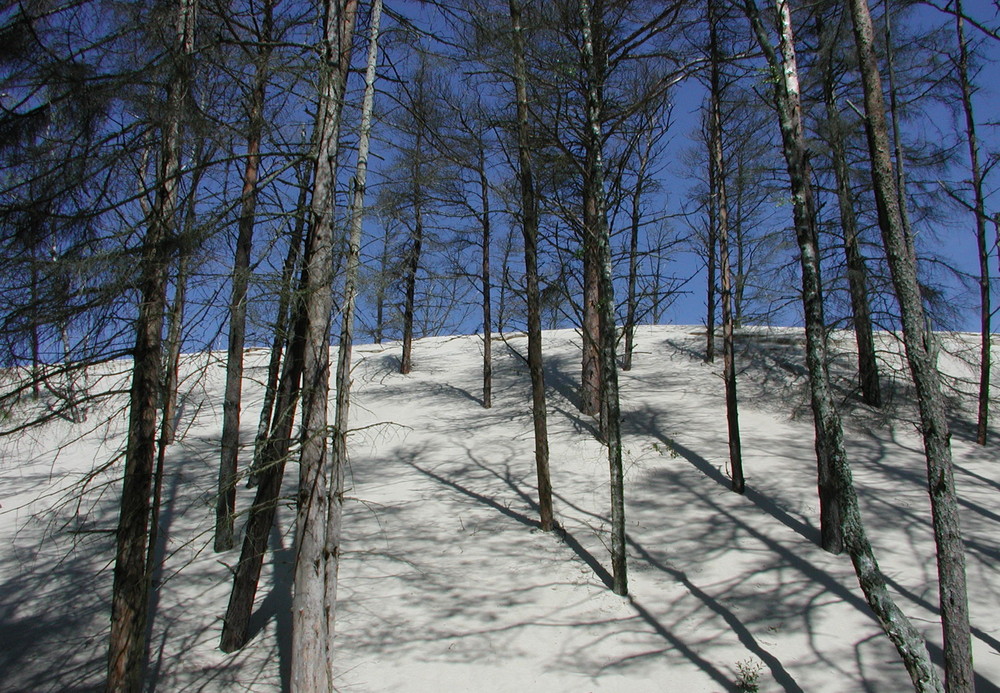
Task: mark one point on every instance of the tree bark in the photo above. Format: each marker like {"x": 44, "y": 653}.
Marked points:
{"x": 920, "y": 354}
{"x": 413, "y": 262}
{"x": 907, "y": 639}
{"x": 226, "y": 503}
{"x": 857, "y": 273}
{"x": 129, "y": 611}
{"x": 529, "y": 231}
{"x": 717, "y": 184}
{"x": 592, "y": 58}
{"x": 484, "y": 192}
{"x": 786, "y": 95}
{"x": 985, "y": 315}
{"x": 316, "y": 560}
{"x": 284, "y": 324}
{"x": 590, "y": 366}
{"x": 633, "y": 252}
{"x": 269, "y": 464}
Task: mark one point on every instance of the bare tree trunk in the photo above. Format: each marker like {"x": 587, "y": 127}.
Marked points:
{"x": 36, "y": 345}
{"x": 380, "y": 288}
{"x": 339, "y": 455}
{"x": 175, "y": 323}
{"x": 907, "y": 639}
{"x": 283, "y": 323}
{"x": 590, "y": 367}
{"x": 316, "y": 560}
{"x": 484, "y": 191}
{"x": 857, "y": 274}
{"x": 717, "y": 182}
{"x": 710, "y": 300}
{"x": 129, "y": 609}
{"x": 529, "y": 231}
{"x": 269, "y": 463}
{"x": 412, "y": 268}
{"x": 897, "y": 140}
{"x": 633, "y": 254}
{"x": 920, "y": 353}
{"x": 982, "y": 419}
{"x": 592, "y": 58}
{"x": 226, "y": 503}
{"x": 786, "y": 94}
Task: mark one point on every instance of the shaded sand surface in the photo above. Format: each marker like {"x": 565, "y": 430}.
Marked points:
{"x": 446, "y": 582}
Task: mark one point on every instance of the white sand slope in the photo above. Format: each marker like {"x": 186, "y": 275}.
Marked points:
{"x": 446, "y": 583}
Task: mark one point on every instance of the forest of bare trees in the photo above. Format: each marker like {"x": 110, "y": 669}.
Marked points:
{"x": 188, "y": 176}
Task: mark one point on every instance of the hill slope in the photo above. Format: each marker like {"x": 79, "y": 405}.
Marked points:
{"x": 446, "y": 582}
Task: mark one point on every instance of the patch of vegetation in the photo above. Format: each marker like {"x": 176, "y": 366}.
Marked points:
{"x": 748, "y": 675}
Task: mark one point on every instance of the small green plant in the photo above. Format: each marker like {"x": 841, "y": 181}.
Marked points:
{"x": 748, "y": 674}
{"x": 665, "y": 449}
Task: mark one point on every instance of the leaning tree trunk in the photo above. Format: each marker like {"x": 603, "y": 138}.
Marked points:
{"x": 272, "y": 442}
{"x": 592, "y": 50}
{"x": 129, "y": 610}
{"x": 269, "y": 463}
{"x": 786, "y": 96}
{"x": 907, "y": 639}
{"x": 897, "y": 140}
{"x": 283, "y": 323}
{"x": 717, "y": 183}
{"x": 315, "y": 578}
{"x": 226, "y": 502}
{"x": 920, "y": 353}
{"x": 529, "y": 231}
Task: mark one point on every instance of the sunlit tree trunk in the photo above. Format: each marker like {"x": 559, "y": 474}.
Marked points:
{"x": 921, "y": 356}
{"x": 907, "y": 639}
{"x": 592, "y": 57}
{"x": 315, "y": 578}
{"x": 796, "y": 153}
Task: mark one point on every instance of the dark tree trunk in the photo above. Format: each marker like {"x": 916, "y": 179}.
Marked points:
{"x": 226, "y": 503}
{"x": 129, "y": 610}
{"x": 529, "y": 231}
{"x": 590, "y": 367}
{"x": 857, "y": 273}
{"x": 710, "y": 271}
{"x": 484, "y": 191}
{"x": 920, "y": 353}
{"x": 897, "y": 140}
{"x": 269, "y": 463}
{"x": 412, "y": 269}
{"x": 983, "y": 415}
{"x": 717, "y": 184}
{"x": 633, "y": 255}
{"x": 284, "y": 324}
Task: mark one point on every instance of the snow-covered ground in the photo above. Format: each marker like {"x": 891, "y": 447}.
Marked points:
{"x": 447, "y": 584}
